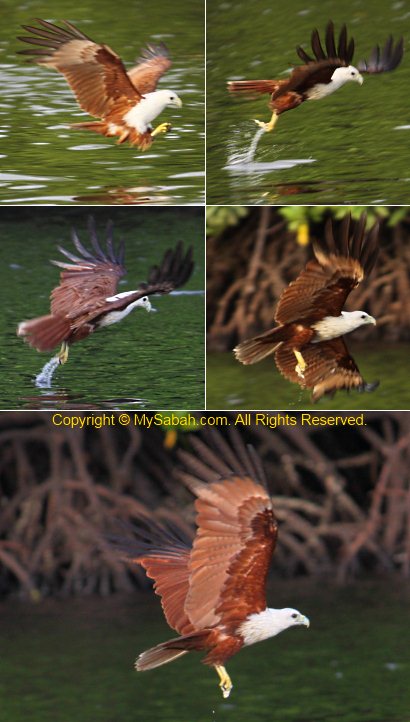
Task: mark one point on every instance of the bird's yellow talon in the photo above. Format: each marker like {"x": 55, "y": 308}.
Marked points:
{"x": 63, "y": 353}
{"x": 225, "y": 683}
{"x": 162, "y": 128}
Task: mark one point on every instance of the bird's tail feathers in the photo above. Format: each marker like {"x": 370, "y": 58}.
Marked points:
{"x": 170, "y": 650}
{"x": 252, "y": 87}
{"x": 257, "y": 348}
{"x": 45, "y": 332}
{"x": 98, "y": 126}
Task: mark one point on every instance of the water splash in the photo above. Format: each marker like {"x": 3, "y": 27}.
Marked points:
{"x": 252, "y": 148}
{"x": 44, "y": 378}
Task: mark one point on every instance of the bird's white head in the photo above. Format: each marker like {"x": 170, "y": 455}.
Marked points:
{"x": 345, "y": 75}
{"x": 144, "y": 302}
{"x": 269, "y": 623}
{"x": 355, "y": 319}
{"x": 168, "y": 97}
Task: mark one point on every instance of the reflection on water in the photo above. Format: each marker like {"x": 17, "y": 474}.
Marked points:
{"x": 73, "y": 660}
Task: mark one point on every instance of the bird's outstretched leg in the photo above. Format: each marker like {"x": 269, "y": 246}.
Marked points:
{"x": 162, "y": 128}
{"x": 301, "y": 364}
{"x": 268, "y": 127}
{"x": 63, "y": 353}
{"x": 225, "y": 683}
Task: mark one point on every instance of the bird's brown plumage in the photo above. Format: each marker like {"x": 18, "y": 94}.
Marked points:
{"x": 329, "y": 367}
{"x": 319, "y": 291}
{"x": 97, "y": 76}
{"x": 88, "y": 280}
{"x": 209, "y": 588}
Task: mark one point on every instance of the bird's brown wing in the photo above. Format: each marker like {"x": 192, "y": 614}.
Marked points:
{"x": 322, "y": 288}
{"x": 329, "y": 367}
{"x": 94, "y": 72}
{"x": 91, "y": 277}
{"x": 342, "y": 52}
{"x": 236, "y": 534}
{"x": 173, "y": 272}
{"x": 163, "y": 548}
{"x": 151, "y": 66}
{"x": 383, "y": 60}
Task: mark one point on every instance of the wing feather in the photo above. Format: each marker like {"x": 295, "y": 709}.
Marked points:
{"x": 330, "y": 367}
{"x": 87, "y": 277}
{"x": 383, "y": 60}
{"x": 163, "y": 550}
{"x": 235, "y": 539}
{"x": 322, "y": 288}
{"x": 151, "y": 66}
{"x": 94, "y": 72}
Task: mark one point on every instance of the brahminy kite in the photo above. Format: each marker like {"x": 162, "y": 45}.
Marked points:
{"x": 87, "y": 298}
{"x": 125, "y": 102}
{"x": 311, "y": 319}
{"x": 213, "y": 589}
{"x": 320, "y": 75}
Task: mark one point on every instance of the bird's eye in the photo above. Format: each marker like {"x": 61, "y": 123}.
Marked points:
{"x": 352, "y": 73}
{"x": 145, "y": 298}
{"x": 294, "y": 616}
{"x": 363, "y": 315}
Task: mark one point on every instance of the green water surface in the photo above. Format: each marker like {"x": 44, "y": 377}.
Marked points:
{"x": 148, "y": 360}
{"x": 43, "y": 161}
{"x": 63, "y": 661}
{"x": 353, "y": 147}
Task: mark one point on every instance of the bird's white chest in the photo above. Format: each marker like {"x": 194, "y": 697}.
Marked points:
{"x": 140, "y": 116}
{"x": 115, "y": 316}
{"x": 321, "y": 90}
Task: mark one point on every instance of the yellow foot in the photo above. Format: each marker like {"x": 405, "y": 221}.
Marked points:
{"x": 163, "y": 128}
{"x": 63, "y": 353}
{"x": 267, "y": 127}
{"x": 300, "y": 367}
{"x": 225, "y": 683}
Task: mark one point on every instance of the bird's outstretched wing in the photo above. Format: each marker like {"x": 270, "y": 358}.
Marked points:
{"x": 90, "y": 277}
{"x": 322, "y": 287}
{"x": 163, "y": 548}
{"x": 329, "y": 367}
{"x": 236, "y": 533}
{"x": 151, "y": 66}
{"x": 174, "y": 270}
{"x": 95, "y": 73}
{"x": 343, "y": 51}
{"x": 383, "y": 60}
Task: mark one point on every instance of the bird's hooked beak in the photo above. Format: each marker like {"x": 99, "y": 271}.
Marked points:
{"x": 151, "y": 309}
{"x": 305, "y": 621}
{"x": 360, "y": 79}
{"x": 371, "y": 320}
{"x": 177, "y": 103}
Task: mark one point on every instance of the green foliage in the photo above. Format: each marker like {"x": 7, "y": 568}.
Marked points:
{"x": 220, "y": 217}
{"x": 298, "y": 215}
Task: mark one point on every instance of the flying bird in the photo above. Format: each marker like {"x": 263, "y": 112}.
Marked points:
{"x": 320, "y": 75}
{"x": 310, "y": 316}
{"x": 213, "y": 589}
{"x": 87, "y": 298}
{"x": 126, "y": 103}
